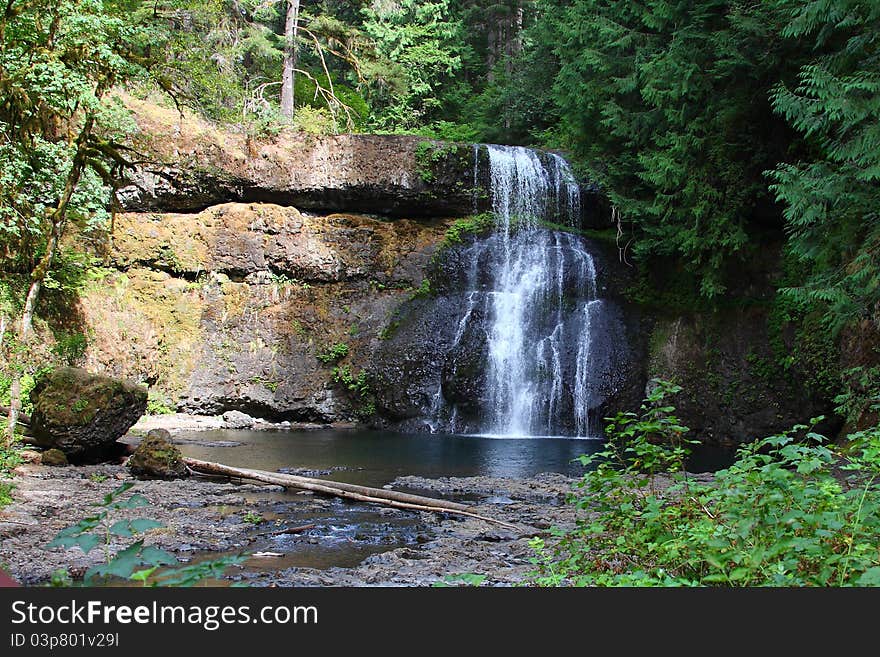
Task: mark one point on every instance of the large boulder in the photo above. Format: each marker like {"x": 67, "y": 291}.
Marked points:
{"x": 157, "y": 458}
{"x": 84, "y": 414}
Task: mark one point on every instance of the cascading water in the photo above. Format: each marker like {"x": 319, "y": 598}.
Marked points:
{"x": 531, "y": 305}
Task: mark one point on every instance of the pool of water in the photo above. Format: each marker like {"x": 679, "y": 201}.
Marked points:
{"x": 375, "y": 458}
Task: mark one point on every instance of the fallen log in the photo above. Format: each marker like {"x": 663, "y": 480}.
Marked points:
{"x": 391, "y": 498}
{"x": 23, "y": 418}
{"x": 297, "y": 481}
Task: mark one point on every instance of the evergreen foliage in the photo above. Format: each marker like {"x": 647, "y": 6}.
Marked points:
{"x": 831, "y": 193}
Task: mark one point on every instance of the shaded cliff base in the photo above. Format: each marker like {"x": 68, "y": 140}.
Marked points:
{"x": 751, "y": 364}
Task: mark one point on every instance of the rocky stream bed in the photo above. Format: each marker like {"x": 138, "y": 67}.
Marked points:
{"x": 376, "y": 546}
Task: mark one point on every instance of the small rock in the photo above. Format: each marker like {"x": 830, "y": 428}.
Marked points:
{"x": 164, "y": 434}
{"x": 30, "y": 455}
{"x": 238, "y": 420}
{"x": 157, "y": 458}
{"x": 53, "y": 457}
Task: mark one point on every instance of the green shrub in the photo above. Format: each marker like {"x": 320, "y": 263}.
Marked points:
{"x": 157, "y": 404}
{"x": 333, "y": 353}
{"x": 358, "y": 385}
{"x": 314, "y": 121}
{"x": 423, "y": 291}
{"x": 781, "y": 515}
{"x": 5, "y": 493}
{"x": 70, "y": 347}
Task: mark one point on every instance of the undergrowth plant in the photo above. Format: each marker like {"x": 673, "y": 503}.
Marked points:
{"x": 147, "y": 564}
{"x": 790, "y": 511}
{"x": 9, "y": 459}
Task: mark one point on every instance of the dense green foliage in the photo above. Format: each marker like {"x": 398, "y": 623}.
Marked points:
{"x": 831, "y": 194}
{"x": 663, "y": 103}
{"x": 60, "y": 131}
{"x": 708, "y": 122}
{"x": 788, "y": 512}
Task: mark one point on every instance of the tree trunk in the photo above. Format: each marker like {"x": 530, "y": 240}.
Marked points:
{"x": 57, "y": 219}
{"x": 291, "y": 23}
{"x": 27, "y": 321}
{"x": 514, "y": 43}
{"x": 491, "y": 53}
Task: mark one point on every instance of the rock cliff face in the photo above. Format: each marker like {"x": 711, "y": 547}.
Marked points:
{"x": 238, "y": 307}
{"x": 309, "y": 279}
{"x": 270, "y": 276}
{"x": 733, "y": 389}
{"x": 197, "y": 166}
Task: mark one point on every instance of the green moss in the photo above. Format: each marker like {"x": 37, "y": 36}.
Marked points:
{"x": 659, "y": 338}
{"x": 478, "y": 224}
{"x": 72, "y": 397}
{"x": 388, "y": 332}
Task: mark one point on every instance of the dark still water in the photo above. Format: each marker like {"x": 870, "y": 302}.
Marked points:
{"x": 375, "y": 458}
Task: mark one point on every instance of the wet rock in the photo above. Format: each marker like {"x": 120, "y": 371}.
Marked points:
{"x": 157, "y": 458}
{"x": 54, "y": 457}
{"x": 163, "y": 434}
{"x": 83, "y": 414}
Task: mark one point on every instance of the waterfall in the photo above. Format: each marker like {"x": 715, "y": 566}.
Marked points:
{"x": 530, "y": 305}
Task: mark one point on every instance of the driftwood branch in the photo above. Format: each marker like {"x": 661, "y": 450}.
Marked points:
{"x": 391, "y": 498}
{"x": 293, "y": 530}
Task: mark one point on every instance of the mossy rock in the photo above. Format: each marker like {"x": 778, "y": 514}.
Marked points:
{"x": 157, "y": 458}
{"x": 54, "y": 457}
{"x": 84, "y": 414}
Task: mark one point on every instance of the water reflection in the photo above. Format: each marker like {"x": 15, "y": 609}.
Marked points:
{"x": 374, "y": 458}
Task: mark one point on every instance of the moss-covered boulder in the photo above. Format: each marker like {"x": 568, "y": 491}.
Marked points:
{"x": 54, "y": 457}
{"x": 84, "y": 414}
{"x": 157, "y": 458}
